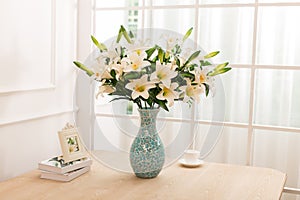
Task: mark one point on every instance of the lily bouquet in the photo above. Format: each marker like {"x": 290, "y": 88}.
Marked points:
{"x": 154, "y": 76}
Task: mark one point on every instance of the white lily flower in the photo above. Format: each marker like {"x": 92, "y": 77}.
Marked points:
{"x": 119, "y": 68}
{"x": 102, "y": 60}
{"x": 101, "y": 72}
{"x": 168, "y": 94}
{"x": 163, "y": 73}
{"x": 174, "y": 65}
{"x": 105, "y": 89}
{"x": 200, "y": 76}
{"x": 136, "y": 61}
{"x": 171, "y": 41}
{"x": 192, "y": 91}
{"x": 139, "y": 44}
{"x": 106, "y": 75}
{"x": 113, "y": 53}
{"x": 97, "y": 73}
{"x": 140, "y": 87}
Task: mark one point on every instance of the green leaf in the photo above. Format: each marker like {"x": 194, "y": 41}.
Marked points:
{"x": 84, "y": 68}
{"x": 224, "y": 70}
{"x": 119, "y": 98}
{"x": 125, "y": 34}
{"x": 187, "y": 75}
{"x": 119, "y": 34}
{"x": 177, "y": 61}
{"x": 204, "y": 63}
{"x": 100, "y": 46}
{"x": 131, "y": 35}
{"x": 221, "y": 71}
{"x": 192, "y": 67}
{"x": 187, "y": 34}
{"x": 132, "y": 75}
{"x": 206, "y": 89}
{"x": 161, "y": 55}
{"x": 221, "y": 66}
{"x": 162, "y": 104}
{"x": 150, "y": 51}
{"x": 113, "y": 73}
{"x": 192, "y": 57}
{"x": 212, "y": 54}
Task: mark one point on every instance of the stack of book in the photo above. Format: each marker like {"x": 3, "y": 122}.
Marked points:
{"x": 56, "y": 169}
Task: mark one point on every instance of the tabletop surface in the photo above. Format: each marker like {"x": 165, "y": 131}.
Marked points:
{"x": 207, "y": 182}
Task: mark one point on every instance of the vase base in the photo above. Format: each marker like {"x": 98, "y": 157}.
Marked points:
{"x": 148, "y": 175}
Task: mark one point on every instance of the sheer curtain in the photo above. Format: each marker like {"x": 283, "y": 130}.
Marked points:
{"x": 261, "y": 41}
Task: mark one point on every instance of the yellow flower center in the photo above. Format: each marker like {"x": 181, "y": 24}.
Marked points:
{"x": 138, "y": 52}
{"x": 166, "y": 91}
{"x": 135, "y": 66}
{"x": 170, "y": 40}
{"x": 161, "y": 76}
{"x": 140, "y": 88}
{"x": 190, "y": 91}
{"x": 202, "y": 78}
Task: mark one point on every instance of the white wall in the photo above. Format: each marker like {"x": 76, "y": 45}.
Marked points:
{"x": 38, "y": 45}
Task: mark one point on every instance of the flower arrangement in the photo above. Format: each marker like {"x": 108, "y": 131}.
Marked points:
{"x": 154, "y": 76}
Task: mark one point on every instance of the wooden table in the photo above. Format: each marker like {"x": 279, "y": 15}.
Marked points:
{"x": 210, "y": 181}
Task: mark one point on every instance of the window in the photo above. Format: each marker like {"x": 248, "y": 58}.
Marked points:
{"x": 260, "y": 38}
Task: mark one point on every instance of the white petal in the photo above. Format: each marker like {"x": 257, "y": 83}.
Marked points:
{"x": 186, "y": 99}
{"x": 145, "y": 63}
{"x": 143, "y": 54}
{"x": 144, "y": 78}
{"x": 160, "y": 96}
{"x": 166, "y": 82}
{"x": 135, "y": 95}
{"x": 171, "y": 102}
{"x": 153, "y": 76}
{"x": 130, "y": 85}
{"x": 174, "y": 86}
{"x": 145, "y": 94}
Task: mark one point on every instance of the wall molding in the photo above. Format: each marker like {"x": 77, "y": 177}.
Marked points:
{"x": 28, "y": 90}
{"x": 38, "y": 117}
{"x": 52, "y": 83}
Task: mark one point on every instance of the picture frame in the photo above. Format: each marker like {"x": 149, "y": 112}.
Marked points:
{"x": 70, "y": 143}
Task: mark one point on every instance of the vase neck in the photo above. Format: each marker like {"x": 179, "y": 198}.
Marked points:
{"x": 148, "y": 117}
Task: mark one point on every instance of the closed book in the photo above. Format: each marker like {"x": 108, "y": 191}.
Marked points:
{"x": 66, "y": 176}
{"x": 57, "y": 165}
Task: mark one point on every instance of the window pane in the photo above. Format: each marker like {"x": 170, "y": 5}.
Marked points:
{"x": 278, "y": 150}
{"x": 231, "y": 100}
{"x": 231, "y": 144}
{"x": 278, "y": 41}
{"x": 117, "y": 3}
{"x": 108, "y": 26}
{"x": 277, "y": 98}
{"x": 228, "y": 30}
{"x": 225, "y": 1}
{"x": 177, "y": 20}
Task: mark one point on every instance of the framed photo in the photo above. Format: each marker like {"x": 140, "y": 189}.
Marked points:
{"x": 71, "y": 147}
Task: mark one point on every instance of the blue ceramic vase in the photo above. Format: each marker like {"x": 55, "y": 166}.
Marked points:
{"x": 147, "y": 153}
